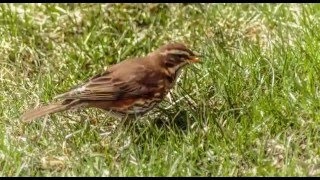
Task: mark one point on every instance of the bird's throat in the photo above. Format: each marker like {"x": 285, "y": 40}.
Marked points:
{"x": 175, "y": 71}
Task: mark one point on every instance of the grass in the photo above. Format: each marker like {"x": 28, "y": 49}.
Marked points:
{"x": 250, "y": 109}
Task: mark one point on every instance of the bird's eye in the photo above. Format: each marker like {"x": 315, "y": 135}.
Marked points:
{"x": 181, "y": 57}
{"x": 169, "y": 64}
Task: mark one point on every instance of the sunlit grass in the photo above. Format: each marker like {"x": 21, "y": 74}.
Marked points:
{"x": 250, "y": 109}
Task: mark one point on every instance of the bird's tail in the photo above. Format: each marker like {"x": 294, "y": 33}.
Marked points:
{"x": 51, "y": 108}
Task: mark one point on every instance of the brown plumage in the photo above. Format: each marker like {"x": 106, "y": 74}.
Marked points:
{"x": 131, "y": 87}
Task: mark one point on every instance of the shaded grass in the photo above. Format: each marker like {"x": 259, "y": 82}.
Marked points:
{"x": 250, "y": 109}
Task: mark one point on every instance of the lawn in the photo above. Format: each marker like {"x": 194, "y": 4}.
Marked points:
{"x": 251, "y": 108}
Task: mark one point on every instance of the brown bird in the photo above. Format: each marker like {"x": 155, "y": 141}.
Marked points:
{"x": 131, "y": 87}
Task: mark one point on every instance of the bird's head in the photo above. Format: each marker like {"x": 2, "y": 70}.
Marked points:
{"x": 176, "y": 55}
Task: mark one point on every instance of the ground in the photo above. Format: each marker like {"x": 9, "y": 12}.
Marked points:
{"x": 251, "y": 108}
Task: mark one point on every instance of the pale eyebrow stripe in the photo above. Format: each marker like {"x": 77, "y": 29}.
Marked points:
{"x": 175, "y": 52}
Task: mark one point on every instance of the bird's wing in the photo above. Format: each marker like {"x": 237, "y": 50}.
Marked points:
{"x": 114, "y": 84}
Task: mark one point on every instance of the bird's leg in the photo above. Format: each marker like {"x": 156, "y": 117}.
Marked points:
{"x": 125, "y": 121}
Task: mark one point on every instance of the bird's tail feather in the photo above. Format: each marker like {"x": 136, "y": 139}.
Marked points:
{"x": 51, "y": 108}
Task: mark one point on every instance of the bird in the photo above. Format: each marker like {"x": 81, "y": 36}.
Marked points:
{"x": 131, "y": 87}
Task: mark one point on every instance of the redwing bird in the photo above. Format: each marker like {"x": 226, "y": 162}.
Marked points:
{"x": 131, "y": 87}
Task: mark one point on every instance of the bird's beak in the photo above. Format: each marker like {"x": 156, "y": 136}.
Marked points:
{"x": 194, "y": 59}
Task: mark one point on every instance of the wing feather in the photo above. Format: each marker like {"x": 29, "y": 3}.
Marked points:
{"x": 112, "y": 85}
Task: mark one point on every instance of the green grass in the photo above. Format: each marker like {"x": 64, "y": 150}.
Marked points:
{"x": 252, "y": 107}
